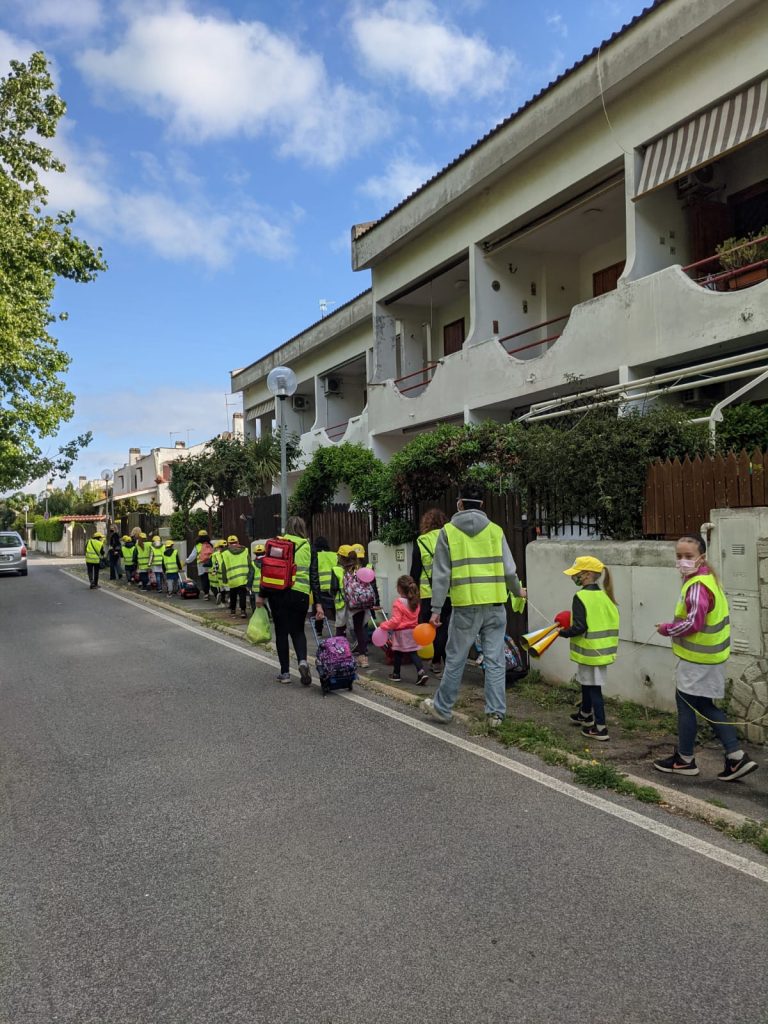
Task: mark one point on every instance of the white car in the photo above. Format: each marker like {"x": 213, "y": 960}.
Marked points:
{"x": 13, "y": 553}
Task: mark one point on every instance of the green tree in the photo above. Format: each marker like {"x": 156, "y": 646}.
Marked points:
{"x": 36, "y": 248}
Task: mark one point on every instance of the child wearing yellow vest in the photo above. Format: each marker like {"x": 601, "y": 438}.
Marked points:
{"x": 701, "y": 640}
{"x": 594, "y": 636}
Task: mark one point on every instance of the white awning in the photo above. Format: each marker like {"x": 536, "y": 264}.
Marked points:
{"x": 254, "y": 411}
{"x": 719, "y": 130}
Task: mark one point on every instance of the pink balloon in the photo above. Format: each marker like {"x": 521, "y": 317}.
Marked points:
{"x": 380, "y": 637}
{"x": 366, "y": 575}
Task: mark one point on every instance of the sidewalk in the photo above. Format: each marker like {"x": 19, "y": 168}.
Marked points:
{"x": 538, "y": 712}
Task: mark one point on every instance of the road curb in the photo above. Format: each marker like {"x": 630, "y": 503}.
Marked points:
{"x": 672, "y": 799}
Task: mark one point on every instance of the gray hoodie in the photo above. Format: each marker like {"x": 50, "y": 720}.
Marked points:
{"x": 471, "y": 522}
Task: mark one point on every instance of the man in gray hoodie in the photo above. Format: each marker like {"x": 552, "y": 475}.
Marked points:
{"x": 474, "y": 566}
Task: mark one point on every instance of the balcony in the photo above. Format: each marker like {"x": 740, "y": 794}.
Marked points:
{"x": 749, "y": 266}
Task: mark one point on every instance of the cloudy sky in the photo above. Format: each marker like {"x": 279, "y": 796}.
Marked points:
{"x": 219, "y": 152}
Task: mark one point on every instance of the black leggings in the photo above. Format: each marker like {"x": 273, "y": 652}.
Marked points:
{"x": 289, "y": 611}
{"x": 358, "y": 625}
{"x": 441, "y": 637}
{"x": 237, "y": 595}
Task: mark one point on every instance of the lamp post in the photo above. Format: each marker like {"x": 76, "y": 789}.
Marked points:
{"x": 106, "y": 476}
{"x": 210, "y": 500}
{"x": 282, "y": 383}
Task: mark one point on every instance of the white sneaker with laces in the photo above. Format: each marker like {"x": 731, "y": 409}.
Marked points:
{"x": 428, "y": 706}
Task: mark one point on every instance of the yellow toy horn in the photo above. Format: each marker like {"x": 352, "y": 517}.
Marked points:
{"x": 538, "y": 641}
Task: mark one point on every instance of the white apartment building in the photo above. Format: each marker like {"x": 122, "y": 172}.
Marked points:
{"x": 572, "y": 247}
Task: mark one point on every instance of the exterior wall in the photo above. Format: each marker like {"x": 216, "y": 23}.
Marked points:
{"x": 389, "y": 563}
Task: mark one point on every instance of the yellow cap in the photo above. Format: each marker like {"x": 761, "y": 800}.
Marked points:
{"x": 202, "y": 533}
{"x": 125, "y": 537}
{"x": 259, "y": 549}
{"x": 585, "y": 563}
{"x": 155, "y": 538}
{"x": 232, "y": 539}
{"x": 169, "y": 543}
{"x": 98, "y": 533}
{"x": 359, "y": 550}
{"x": 344, "y": 550}
{"x": 142, "y": 536}
{"x": 220, "y": 544}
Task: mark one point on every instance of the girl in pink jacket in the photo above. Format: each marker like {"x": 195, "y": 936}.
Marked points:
{"x": 405, "y": 616}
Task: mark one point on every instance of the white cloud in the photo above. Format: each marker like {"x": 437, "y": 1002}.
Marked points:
{"x": 402, "y": 177}
{"x": 412, "y": 41}
{"x": 557, "y": 23}
{"x": 77, "y": 17}
{"x": 211, "y": 78}
{"x": 13, "y": 48}
{"x": 188, "y": 228}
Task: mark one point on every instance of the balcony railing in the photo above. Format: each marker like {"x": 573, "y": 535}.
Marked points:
{"x": 729, "y": 280}
{"x": 337, "y": 431}
{"x": 550, "y": 340}
{"x": 426, "y": 373}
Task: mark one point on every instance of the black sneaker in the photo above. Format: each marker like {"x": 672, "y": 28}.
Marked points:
{"x": 304, "y": 674}
{"x": 395, "y": 677}
{"x": 736, "y": 768}
{"x": 579, "y": 718}
{"x": 421, "y": 678}
{"x": 596, "y": 732}
{"x": 675, "y": 765}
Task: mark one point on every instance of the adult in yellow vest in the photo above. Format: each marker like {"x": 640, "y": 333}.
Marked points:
{"x": 128, "y": 551}
{"x": 94, "y": 554}
{"x": 143, "y": 555}
{"x": 594, "y": 636}
{"x": 237, "y": 574}
{"x": 432, "y": 522}
{"x": 474, "y": 566}
{"x": 172, "y": 567}
{"x": 289, "y": 607}
{"x": 701, "y": 640}
{"x": 156, "y": 563}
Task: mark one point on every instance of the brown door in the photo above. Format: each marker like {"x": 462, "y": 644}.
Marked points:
{"x": 453, "y": 337}
{"x": 709, "y": 224}
{"x": 606, "y": 280}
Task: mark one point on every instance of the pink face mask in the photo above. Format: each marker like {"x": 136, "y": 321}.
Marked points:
{"x": 687, "y": 566}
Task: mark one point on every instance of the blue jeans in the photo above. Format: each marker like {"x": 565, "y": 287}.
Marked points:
{"x": 159, "y": 581}
{"x": 490, "y": 622}
{"x": 687, "y": 723}
{"x": 173, "y": 582}
{"x": 144, "y": 578}
{"x": 592, "y": 701}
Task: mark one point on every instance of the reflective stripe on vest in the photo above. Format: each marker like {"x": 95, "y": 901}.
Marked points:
{"x": 302, "y": 556}
{"x": 94, "y": 549}
{"x": 326, "y": 563}
{"x": 427, "y": 542}
{"x": 171, "y": 561}
{"x": 598, "y": 646}
{"x": 128, "y": 553}
{"x": 156, "y": 556}
{"x": 712, "y": 644}
{"x": 236, "y": 566}
{"x": 338, "y": 597}
{"x": 143, "y": 551}
{"x": 477, "y": 566}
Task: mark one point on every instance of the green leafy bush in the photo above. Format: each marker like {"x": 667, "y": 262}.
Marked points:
{"x": 49, "y": 529}
{"x": 181, "y": 521}
{"x": 743, "y": 426}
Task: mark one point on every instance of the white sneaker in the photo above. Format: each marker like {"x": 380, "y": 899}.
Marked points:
{"x": 493, "y": 721}
{"x": 428, "y": 707}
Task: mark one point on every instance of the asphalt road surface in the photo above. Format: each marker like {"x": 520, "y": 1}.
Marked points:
{"x": 184, "y": 840}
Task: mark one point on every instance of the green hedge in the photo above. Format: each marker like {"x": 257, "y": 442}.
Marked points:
{"x": 49, "y": 529}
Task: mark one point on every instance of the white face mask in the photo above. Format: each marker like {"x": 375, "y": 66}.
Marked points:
{"x": 687, "y": 566}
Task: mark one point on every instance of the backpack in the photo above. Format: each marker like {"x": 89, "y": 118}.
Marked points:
{"x": 278, "y": 567}
{"x": 206, "y": 552}
{"x": 335, "y": 664}
{"x": 357, "y": 595}
{"x": 188, "y": 589}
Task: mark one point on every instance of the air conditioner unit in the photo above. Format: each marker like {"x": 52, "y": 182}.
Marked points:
{"x": 697, "y": 183}
{"x": 332, "y": 386}
{"x": 301, "y": 403}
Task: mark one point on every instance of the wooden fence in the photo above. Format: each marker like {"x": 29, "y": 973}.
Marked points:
{"x": 337, "y": 524}
{"x": 679, "y": 495}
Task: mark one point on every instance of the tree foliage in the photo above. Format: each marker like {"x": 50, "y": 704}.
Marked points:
{"x": 49, "y": 529}
{"x": 335, "y": 466}
{"x": 36, "y": 248}
{"x": 743, "y": 426}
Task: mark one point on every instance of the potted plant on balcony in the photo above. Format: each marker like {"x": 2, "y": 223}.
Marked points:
{"x": 744, "y": 252}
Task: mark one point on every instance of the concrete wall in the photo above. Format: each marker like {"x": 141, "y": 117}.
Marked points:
{"x": 389, "y": 563}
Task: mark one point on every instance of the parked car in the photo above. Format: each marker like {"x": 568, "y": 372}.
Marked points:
{"x": 13, "y": 553}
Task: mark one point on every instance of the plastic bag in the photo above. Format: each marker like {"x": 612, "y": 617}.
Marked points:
{"x": 259, "y": 630}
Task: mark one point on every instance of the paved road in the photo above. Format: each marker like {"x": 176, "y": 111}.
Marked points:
{"x": 183, "y": 840}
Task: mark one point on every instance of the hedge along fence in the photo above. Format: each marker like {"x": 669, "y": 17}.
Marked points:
{"x": 51, "y": 530}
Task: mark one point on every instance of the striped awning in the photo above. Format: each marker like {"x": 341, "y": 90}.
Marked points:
{"x": 701, "y": 140}
{"x": 268, "y": 405}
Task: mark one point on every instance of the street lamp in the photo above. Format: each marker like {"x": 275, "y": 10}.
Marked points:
{"x": 106, "y": 476}
{"x": 282, "y": 383}
{"x": 210, "y": 500}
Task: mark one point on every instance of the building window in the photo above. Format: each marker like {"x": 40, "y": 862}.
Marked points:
{"x": 605, "y": 280}
{"x": 453, "y": 337}
{"x": 140, "y": 475}
{"x": 122, "y": 483}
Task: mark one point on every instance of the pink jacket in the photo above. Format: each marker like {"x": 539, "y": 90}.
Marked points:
{"x": 401, "y": 624}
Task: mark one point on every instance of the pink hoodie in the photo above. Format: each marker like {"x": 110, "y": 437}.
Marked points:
{"x": 402, "y": 624}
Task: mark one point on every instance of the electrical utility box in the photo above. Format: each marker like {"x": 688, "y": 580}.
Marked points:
{"x": 736, "y": 538}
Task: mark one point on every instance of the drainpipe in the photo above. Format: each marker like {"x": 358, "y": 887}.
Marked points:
{"x": 716, "y": 416}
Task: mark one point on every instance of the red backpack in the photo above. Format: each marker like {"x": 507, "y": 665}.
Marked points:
{"x": 278, "y": 567}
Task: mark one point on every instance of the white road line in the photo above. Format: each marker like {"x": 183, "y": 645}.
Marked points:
{"x": 672, "y": 835}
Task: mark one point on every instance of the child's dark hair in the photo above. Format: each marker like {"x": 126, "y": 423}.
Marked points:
{"x": 409, "y": 590}
{"x": 699, "y": 541}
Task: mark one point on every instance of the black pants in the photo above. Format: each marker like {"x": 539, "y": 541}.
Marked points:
{"x": 93, "y": 573}
{"x": 205, "y": 583}
{"x": 237, "y": 596}
{"x": 289, "y": 611}
{"x": 359, "y": 620}
{"x": 114, "y": 566}
{"x": 397, "y": 662}
{"x": 592, "y": 701}
{"x": 441, "y": 639}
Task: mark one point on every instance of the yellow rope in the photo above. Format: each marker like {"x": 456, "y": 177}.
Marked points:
{"x": 711, "y": 721}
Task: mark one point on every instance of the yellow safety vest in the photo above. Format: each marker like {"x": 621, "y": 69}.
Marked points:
{"x": 128, "y": 553}
{"x": 598, "y": 646}
{"x": 156, "y": 557}
{"x": 256, "y": 575}
{"x": 517, "y": 603}
{"x": 712, "y": 644}
{"x": 338, "y": 597}
{"x": 477, "y": 566}
{"x": 326, "y": 563}
{"x": 237, "y": 566}
{"x": 170, "y": 560}
{"x": 143, "y": 553}
{"x": 302, "y": 556}
{"x": 427, "y": 542}
{"x": 214, "y": 573}
{"x": 94, "y": 549}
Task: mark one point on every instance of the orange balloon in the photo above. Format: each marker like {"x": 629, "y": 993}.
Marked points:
{"x": 424, "y": 634}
